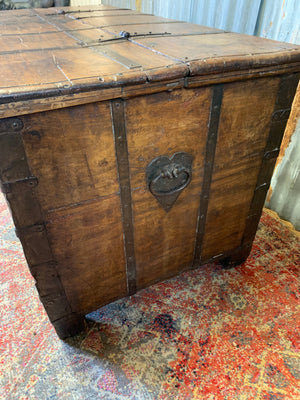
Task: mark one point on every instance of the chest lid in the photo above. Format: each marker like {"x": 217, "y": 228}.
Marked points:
{"x": 47, "y": 53}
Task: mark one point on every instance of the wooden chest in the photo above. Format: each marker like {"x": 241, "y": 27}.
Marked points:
{"x": 133, "y": 147}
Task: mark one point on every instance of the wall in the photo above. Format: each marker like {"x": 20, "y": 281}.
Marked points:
{"x": 273, "y": 19}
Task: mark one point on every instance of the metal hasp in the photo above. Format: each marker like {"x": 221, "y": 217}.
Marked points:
{"x": 167, "y": 177}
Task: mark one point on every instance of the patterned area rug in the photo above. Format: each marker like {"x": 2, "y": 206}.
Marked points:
{"x": 208, "y": 334}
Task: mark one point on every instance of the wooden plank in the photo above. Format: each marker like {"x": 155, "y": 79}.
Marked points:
{"x": 174, "y": 122}
{"x": 243, "y": 132}
{"x": 92, "y": 35}
{"x": 139, "y": 56}
{"x": 42, "y": 41}
{"x": 64, "y": 22}
{"x": 43, "y": 70}
{"x": 174, "y": 28}
{"x": 57, "y": 66}
{"x": 75, "y": 9}
{"x": 89, "y": 90}
{"x": 103, "y": 13}
{"x": 87, "y": 243}
{"x": 227, "y": 210}
{"x": 81, "y": 165}
{"x": 202, "y": 55}
{"x": 26, "y": 106}
{"x": 125, "y": 20}
{"x": 188, "y": 48}
{"x": 11, "y": 24}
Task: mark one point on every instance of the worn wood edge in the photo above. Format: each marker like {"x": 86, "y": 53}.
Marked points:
{"x": 78, "y": 9}
{"x": 211, "y": 144}
{"x": 196, "y": 73}
{"x": 233, "y": 76}
{"x": 164, "y": 74}
{"x": 60, "y": 10}
{"x": 52, "y": 103}
{"x": 238, "y": 255}
{"x": 56, "y": 99}
{"x": 181, "y": 269}
{"x": 286, "y": 91}
{"x": 69, "y": 325}
{"x": 244, "y": 63}
{"x": 33, "y": 236}
{"x": 230, "y": 258}
{"x": 121, "y": 149}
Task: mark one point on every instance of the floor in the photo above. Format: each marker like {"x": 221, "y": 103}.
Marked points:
{"x": 207, "y": 334}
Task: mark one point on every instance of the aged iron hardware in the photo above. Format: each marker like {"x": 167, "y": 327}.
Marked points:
{"x": 272, "y": 153}
{"x": 124, "y": 34}
{"x": 10, "y": 125}
{"x": 19, "y": 185}
{"x": 281, "y": 115}
{"x": 167, "y": 177}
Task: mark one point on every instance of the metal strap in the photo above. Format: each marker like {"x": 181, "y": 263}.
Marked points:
{"x": 211, "y": 144}
{"x": 119, "y": 131}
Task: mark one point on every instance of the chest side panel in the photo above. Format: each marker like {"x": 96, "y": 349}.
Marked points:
{"x": 243, "y": 131}
{"x": 71, "y": 153}
{"x": 163, "y": 125}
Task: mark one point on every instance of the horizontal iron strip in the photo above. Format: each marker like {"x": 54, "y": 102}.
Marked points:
{"x": 62, "y": 12}
{"x": 81, "y": 44}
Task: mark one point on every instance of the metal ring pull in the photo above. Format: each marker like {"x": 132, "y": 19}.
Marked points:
{"x": 172, "y": 179}
{"x": 167, "y": 177}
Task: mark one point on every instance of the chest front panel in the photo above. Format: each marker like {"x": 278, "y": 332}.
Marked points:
{"x": 79, "y": 163}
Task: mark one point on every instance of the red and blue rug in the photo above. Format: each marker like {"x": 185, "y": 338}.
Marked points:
{"x": 207, "y": 334}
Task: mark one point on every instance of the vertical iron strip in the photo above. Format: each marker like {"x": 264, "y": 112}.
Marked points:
{"x": 280, "y": 115}
{"x": 211, "y": 144}
{"x": 19, "y": 186}
{"x": 119, "y": 131}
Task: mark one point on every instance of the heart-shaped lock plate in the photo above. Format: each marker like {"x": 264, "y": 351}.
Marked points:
{"x": 167, "y": 177}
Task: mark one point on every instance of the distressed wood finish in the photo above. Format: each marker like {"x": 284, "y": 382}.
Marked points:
{"x": 82, "y": 160}
{"x": 241, "y": 141}
{"x": 174, "y": 122}
{"x": 19, "y": 186}
{"x": 87, "y": 243}
{"x": 127, "y": 158}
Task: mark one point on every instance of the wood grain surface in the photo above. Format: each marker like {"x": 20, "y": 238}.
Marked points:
{"x": 95, "y": 108}
{"x": 243, "y": 132}
{"x": 174, "y": 122}
{"x": 81, "y": 164}
{"x": 59, "y": 52}
{"x": 87, "y": 244}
